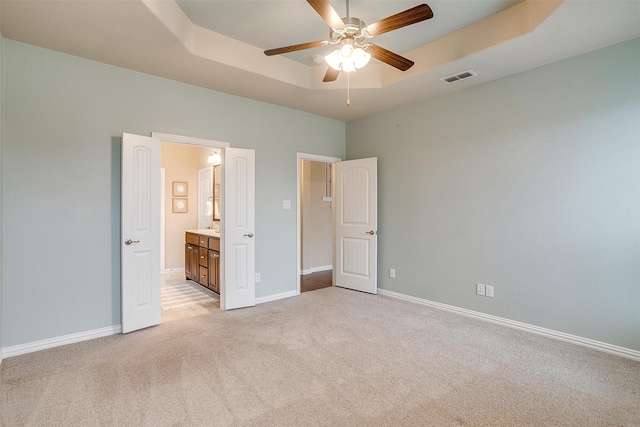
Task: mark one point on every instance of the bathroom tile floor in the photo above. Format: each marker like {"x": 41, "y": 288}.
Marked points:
{"x": 190, "y": 311}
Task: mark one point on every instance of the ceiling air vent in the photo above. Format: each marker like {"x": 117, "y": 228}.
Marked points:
{"x": 460, "y": 76}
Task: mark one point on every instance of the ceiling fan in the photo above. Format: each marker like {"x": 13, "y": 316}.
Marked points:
{"x": 350, "y": 35}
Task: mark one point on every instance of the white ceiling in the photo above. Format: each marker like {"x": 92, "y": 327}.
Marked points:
{"x": 218, "y": 44}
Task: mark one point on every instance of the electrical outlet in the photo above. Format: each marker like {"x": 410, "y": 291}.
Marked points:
{"x": 489, "y": 291}
{"x": 480, "y": 289}
{"x": 257, "y": 277}
{"x": 392, "y": 273}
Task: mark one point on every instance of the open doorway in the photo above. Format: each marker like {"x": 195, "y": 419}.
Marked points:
{"x": 189, "y": 283}
{"x": 315, "y": 222}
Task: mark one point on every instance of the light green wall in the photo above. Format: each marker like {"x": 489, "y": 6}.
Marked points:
{"x": 530, "y": 183}
{"x": 64, "y": 117}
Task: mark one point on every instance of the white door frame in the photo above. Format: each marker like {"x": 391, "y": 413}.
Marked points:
{"x": 163, "y": 254}
{"x": 314, "y": 158}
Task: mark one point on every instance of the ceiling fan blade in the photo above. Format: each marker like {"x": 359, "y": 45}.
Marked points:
{"x": 331, "y": 75}
{"x": 388, "y": 57}
{"x": 294, "y": 48}
{"x": 410, "y": 16}
{"x": 328, "y": 13}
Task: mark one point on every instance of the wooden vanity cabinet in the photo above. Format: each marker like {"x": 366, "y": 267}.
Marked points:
{"x": 202, "y": 260}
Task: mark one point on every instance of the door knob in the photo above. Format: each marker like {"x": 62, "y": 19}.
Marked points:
{"x": 371, "y": 232}
{"x": 131, "y": 242}
{"x": 249, "y": 235}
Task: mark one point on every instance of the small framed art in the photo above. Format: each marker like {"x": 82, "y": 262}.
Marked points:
{"x": 180, "y": 206}
{"x": 180, "y": 189}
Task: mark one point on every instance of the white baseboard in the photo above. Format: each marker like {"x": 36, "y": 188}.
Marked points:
{"x": 17, "y": 350}
{"x": 316, "y": 269}
{"x": 574, "y": 339}
{"x": 276, "y": 297}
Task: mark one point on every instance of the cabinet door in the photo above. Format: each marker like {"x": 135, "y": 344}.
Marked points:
{"x": 194, "y": 263}
{"x": 188, "y": 256}
{"x": 214, "y": 267}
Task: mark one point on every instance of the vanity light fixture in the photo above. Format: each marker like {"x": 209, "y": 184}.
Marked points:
{"x": 214, "y": 158}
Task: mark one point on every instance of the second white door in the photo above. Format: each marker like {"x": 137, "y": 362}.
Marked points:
{"x": 238, "y": 221}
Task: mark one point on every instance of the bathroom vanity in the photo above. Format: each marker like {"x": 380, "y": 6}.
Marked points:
{"x": 202, "y": 258}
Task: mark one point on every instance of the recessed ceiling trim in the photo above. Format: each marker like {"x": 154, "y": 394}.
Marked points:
{"x": 499, "y": 28}
{"x": 219, "y": 48}
{"x": 502, "y": 27}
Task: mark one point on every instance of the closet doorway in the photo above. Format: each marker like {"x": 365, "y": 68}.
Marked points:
{"x": 315, "y": 222}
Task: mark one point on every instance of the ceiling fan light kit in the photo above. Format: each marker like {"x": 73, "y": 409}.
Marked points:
{"x": 348, "y": 58}
{"x": 351, "y": 34}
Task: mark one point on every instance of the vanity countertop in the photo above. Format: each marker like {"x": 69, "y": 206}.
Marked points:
{"x": 206, "y": 232}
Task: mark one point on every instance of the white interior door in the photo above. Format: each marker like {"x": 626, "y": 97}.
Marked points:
{"x": 238, "y": 221}
{"x": 205, "y": 197}
{"x": 140, "y": 228}
{"x": 356, "y": 211}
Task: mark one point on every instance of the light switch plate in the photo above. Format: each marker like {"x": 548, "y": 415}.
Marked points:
{"x": 286, "y": 204}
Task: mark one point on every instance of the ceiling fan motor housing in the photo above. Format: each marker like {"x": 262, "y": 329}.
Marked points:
{"x": 353, "y": 30}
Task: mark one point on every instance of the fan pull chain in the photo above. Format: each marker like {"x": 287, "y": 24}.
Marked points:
{"x": 348, "y": 100}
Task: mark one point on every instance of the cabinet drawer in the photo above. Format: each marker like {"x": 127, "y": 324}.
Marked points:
{"x": 202, "y": 241}
{"x": 203, "y": 278}
{"x": 192, "y": 239}
{"x": 214, "y": 243}
{"x": 203, "y": 257}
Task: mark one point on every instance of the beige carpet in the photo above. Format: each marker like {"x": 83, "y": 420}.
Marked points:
{"x": 331, "y": 357}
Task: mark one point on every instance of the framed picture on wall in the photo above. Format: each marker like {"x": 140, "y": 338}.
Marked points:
{"x": 180, "y": 206}
{"x": 180, "y": 189}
